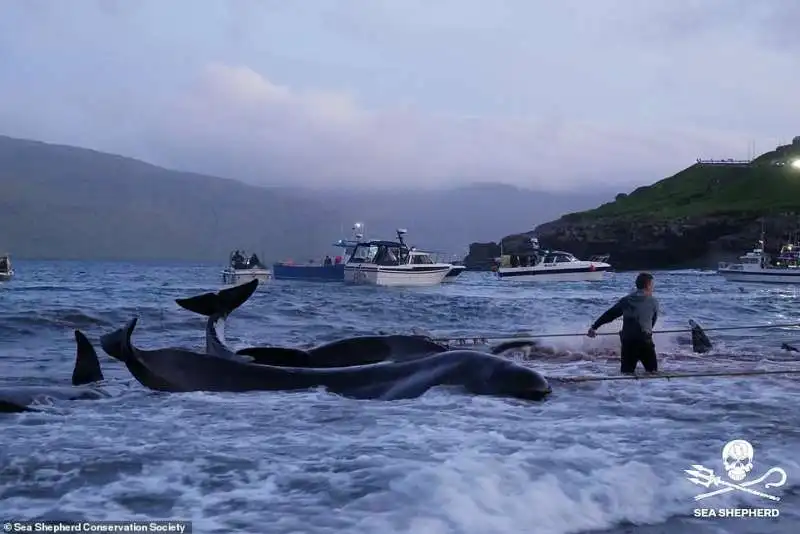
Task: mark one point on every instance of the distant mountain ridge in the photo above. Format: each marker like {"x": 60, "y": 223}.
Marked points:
{"x": 64, "y": 202}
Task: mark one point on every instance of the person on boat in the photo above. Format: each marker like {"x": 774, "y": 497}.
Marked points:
{"x": 337, "y": 260}
{"x": 328, "y": 261}
{"x": 639, "y": 312}
{"x": 237, "y": 260}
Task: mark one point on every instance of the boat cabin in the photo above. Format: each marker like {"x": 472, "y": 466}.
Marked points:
{"x": 531, "y": 259}
{"x": 789, "y": 256}
{"x": 389, "y": 253}
{"x": 380, "y": 252}
{"x": 5, "y": 263}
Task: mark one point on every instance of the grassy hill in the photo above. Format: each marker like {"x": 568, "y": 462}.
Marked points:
{"x": 770, "y": 184}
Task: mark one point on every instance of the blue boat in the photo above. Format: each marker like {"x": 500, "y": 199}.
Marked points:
{"x": 327, "y": 270}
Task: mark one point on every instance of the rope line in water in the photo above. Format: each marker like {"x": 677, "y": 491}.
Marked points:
{"x": 669, "y": 376}
{"x": 484, "y": 339}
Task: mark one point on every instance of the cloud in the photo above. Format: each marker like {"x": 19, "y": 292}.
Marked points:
{"x": 556, "y": 96}
{"x": 234, "y": 121}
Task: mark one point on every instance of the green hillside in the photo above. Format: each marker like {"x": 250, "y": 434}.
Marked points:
{"x": 771, "y": 183}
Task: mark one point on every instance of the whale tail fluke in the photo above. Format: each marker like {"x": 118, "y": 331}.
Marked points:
{"x": 117, "y": 343}
{"x": 221, "y": 303}
{"x": 87, "y": 366}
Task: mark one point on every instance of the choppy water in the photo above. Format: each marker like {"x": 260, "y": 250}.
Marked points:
{"x": 605, "y": 457}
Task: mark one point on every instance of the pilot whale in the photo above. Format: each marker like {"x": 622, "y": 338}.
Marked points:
{"x": 360, "y": 350}
{"x": 86, "y": 372}
{"x": 181, "y": 370}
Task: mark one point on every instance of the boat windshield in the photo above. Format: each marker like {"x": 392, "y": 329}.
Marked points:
{"x": 559, "y": 257}
{"x": 363, "y": 254}
{"x": 420, "y": 258}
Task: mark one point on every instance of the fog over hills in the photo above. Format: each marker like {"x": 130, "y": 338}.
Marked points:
{"x": 66, "y": 202}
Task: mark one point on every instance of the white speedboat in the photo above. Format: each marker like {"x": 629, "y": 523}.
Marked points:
{"x": 539, "y": 265}
{"x": 393, "y": 263}
{"x": 6, "y": 270}
{"x": 759, "y": 267}
{"x": 243, "y": 268}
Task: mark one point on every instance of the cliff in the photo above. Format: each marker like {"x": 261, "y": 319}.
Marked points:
{"x": 702, "y": 215}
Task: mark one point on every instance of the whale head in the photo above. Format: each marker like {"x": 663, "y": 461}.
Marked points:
{"x": 507, "y": 378}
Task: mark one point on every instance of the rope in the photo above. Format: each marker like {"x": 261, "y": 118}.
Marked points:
{"x": 484, "y": 339}
{"x": 669, "y": 376}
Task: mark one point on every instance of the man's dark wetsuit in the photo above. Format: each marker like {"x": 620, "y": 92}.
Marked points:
{"x": 639, "y": 313}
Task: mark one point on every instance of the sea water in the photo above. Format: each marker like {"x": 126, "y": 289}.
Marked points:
{"x": 597, "y": 457}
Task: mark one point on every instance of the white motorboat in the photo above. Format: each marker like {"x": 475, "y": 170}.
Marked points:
{"x": 242, "y": 269}
{"x": 540, "y": 265}
{"x": 6, "y": 269}
{"x": 759, "y": 267}
{"x": 393, "y": 263}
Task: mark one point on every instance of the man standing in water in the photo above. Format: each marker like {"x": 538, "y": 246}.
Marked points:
{"x": 639, "y": 311}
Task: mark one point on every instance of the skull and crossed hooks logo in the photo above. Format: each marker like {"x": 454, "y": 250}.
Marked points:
{"x": 737, "y": 458}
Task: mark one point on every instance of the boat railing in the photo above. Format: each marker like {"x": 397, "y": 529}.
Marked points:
{"x": 600, "y": 258}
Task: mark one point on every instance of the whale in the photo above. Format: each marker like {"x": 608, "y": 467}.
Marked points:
{"x": 183, "y": 370}
{"x": 358, "y": 350}
{"x": 85, "y": 375}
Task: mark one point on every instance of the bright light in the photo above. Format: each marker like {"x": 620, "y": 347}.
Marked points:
{"x": 795, "y": 163}
{"x": 357, "y": 226}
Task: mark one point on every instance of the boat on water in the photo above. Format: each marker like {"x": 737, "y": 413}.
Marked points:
{"x": 760, "y": 267}
{"x": 6, "y": 269}
{"x": 327, "y": 270}
{"x": 393, "y": 263}
{"x": 454, "y": 272}
{"x": 243, "y": 268}
{"x": 539, "y": 265}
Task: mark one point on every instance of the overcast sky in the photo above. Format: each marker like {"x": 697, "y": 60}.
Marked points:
{"x": 540, "y": 93}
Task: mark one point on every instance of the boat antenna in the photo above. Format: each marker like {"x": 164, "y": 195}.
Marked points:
{"x": 358, "y": 230}
{"x": 400, "y": 232}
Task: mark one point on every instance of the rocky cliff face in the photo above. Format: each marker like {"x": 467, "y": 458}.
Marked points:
{"x": 691, "y": 242}
{"x": 634, "y": 243}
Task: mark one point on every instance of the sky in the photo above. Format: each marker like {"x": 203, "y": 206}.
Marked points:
{"x": 559, "y": 96}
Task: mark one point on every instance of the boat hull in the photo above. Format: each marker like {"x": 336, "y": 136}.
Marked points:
{"x": 454, "y": 273}
{"x": 240, "y": 276}
{"x": 394, "y": 276}
{"x": 529, "y": 274}
{"x": 6, "y": 276}
{"x": 311, "y": 273}
{"x": 761, "y": 277}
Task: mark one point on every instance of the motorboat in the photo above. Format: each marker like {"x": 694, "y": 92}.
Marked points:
{"x": 243, "y": 268}
{"x": 6, "y": 269}
{"x": 539, "y": 265}
{"x": 760, "y": 267}
{"x": 393, "y": 263}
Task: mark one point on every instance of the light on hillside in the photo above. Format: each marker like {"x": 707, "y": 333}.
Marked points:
{"x": 795, "y": 163}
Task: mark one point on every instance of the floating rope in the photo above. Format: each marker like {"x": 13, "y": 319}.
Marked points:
{"x": 477, "y": 340}
{"x": 669, "y": 376}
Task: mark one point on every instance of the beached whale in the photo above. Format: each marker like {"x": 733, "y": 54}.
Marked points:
{"x": 180, "y": 370}
{"x": 360, "y": 350}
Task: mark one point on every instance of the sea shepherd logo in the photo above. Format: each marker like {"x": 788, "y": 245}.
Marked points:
{"x": 737, "y": 461}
